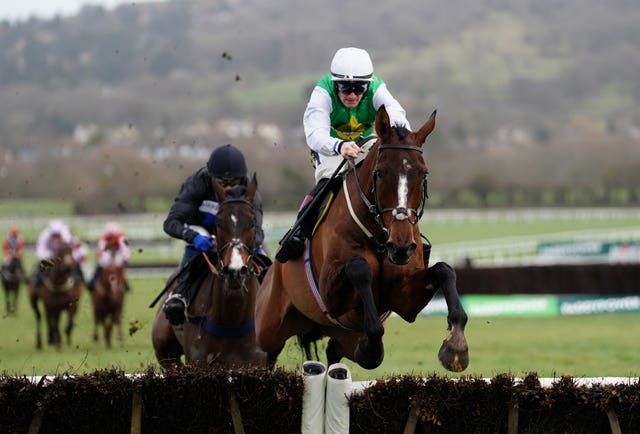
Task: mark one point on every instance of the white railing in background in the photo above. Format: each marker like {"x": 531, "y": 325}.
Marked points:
{"x": 494, "y": 252}
{"x": 523, "y": 249}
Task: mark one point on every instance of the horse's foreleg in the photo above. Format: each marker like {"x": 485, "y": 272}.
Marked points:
{"x": 34, "y": 305}
{"x": 272, "y": 357}
{"x": 454, "y": 352}
{"x": 108, "y": 326}
{"x": 53, "y": 328}
{"x": 370, "y": 350}
{"x": 69, "y": 327}
{"x": 14, "y": 299}
{"x": 95, "y": 330}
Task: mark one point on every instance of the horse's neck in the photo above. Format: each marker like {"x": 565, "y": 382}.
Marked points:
{"x": 114, "y": 277}
{"x": 231, "y": 307}
{"x": 364, "y": 173}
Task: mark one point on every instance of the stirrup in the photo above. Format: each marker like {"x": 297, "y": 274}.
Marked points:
{"x": 175, "y": 316}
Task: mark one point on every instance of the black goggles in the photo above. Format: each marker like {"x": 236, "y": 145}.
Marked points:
{"x": 227, "y": 181}
{"x": 348, "y": 87}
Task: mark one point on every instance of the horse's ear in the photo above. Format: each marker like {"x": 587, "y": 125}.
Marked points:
{"x": 219, "y": 191}
{"x": 383, "y": 124}
{"x": 427, "y": 128}
{"x": 252, "y": 187}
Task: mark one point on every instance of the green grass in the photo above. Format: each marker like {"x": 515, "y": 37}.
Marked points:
{"x": 591, "y": 346}
{"x": 450, "y": 231}
{"x": 599, "y": 345}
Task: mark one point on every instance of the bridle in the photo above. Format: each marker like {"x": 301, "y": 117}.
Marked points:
{"x": 62, "y": 270}
{"x": 250, "y": 268}
{"x": 413, "y": 215}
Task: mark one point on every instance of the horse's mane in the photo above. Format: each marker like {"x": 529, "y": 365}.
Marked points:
{"x": 401, "y": 130}
{"x": 237, "y": 191}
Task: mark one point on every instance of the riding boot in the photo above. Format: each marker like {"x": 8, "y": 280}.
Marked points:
{"x": 96, "y": 275}
{"x": 175, "y": 307}
{"x": 292, "y": 244}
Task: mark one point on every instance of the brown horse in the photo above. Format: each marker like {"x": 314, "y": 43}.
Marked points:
{"x": 220, "y": 328}
{"x": 108, "y": 299}
{"x": 12, "y": 278}
{"x": 59, "y": 289}
{"x": 364, "y": 262}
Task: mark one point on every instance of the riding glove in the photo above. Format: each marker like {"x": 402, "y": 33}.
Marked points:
{"x": 202, "y": 243}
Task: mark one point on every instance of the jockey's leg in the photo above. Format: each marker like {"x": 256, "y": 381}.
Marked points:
{"x": 96, "y": 275}
{"x": 176, "y": 305}
{"x": 79, "y": 274}
{"x": 37, "y": 274}
{"x": 292, "y": 244}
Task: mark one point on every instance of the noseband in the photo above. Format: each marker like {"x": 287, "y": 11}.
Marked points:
{"x": 399, "y": 213}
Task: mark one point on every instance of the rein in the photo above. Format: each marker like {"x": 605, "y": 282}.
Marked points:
{"x": 399, "y": 213}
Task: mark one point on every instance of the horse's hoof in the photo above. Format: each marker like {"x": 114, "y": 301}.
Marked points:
{"x": 368, "y": 357}
{"x": 454, "y": 361}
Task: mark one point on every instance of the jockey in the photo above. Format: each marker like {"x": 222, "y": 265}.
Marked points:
{"x": 13, "y": 246}
{"x": 341, "y": 109}
{"x": 55, "y": 234}
{"x": 196, "y": 205}
{"x": 112, "y": 249}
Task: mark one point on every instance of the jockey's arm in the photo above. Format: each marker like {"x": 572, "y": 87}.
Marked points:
{"x": 397, "y": 114}
{"x": 181, "y": 212}
{"x": 317, "y": 124}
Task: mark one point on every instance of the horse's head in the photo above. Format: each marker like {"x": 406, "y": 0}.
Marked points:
{"x": 399, "y": 184}
{"x": 60, "y": 268}
{"x": 112, "y": 279}
{"x": 236, "y": 232}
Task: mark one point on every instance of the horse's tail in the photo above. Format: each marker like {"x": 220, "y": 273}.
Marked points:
{"x": 309, "y": 339}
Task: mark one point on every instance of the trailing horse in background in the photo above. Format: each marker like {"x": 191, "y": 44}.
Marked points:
{"x": 59, "y": 289}
{"x": 220, "y": 327}
{"x": 12, "y": 277}
{"x": 107, "y": 299}
{"x": 365, "y": 261}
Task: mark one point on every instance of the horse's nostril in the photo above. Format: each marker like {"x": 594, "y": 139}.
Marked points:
{"x": 244, "y": 270}
{"x": 412, "y": 248}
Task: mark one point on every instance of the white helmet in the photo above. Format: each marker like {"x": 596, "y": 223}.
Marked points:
{"x": 57, "y": 227}
{"x": 111, "y": 228}
{"x": 351, "y": 64}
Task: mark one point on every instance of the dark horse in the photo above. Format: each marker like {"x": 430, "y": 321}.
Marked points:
{"x": 12, "y": 278}
{"x": 220, "y": 328}
{"x": 108, "y": 299}
{"x": 59, "y": 290}
{"x": 364, "y": 262}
